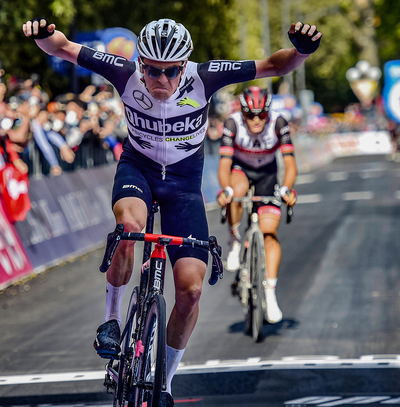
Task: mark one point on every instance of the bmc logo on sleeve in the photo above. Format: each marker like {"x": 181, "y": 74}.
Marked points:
{"x": 222, "y": 66}
{"x": 109, "y": 59}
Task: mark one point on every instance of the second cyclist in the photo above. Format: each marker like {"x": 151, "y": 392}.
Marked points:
{"x": 250, "y": 141}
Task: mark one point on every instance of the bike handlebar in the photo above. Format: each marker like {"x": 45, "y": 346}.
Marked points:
{"x": 211, "y": 245}
{"x": 113, "y": 240}
{"x": 262, "y": 199}
{"x": 217, "y": 270}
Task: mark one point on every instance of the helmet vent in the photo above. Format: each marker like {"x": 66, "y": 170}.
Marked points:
{"x": 165, "y": 40}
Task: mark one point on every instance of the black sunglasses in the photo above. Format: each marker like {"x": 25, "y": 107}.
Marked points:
{"x": 170, "y": 73}
{"x": 251, "y": 116}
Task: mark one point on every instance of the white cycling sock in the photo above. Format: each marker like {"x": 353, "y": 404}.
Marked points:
{"x": 271, "y": 283}
{"x": 234, "y": 232}
{"x": 174, "y": 356}
{"x": 270, "y": 287}
{"x": 113, "y": 302}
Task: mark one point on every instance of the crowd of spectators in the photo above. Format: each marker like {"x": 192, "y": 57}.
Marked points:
{"x": 70, "y": 132}
{"x": 315, "y": 122}
{"x": 43, "y": 136}
{"x": 354, "y": 118}
{"x": 74, "y": 131}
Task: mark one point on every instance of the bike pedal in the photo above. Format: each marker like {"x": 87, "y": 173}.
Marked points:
{"x": 109, "y": 385}
{"x": 108, "y": 390}
{"x": 234, "y": 290}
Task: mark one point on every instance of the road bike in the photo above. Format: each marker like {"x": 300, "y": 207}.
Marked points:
{"x": 138, "y": 375}
{"x": 250, "y": 280}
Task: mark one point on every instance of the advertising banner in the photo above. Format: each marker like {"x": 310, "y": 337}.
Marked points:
{"x": 362, "y": 143}
{"x": 70, "y": 215}
{"x": 14, "y": 263}
{"x": 391, "y": 89}
{"x": 116, "y": 40}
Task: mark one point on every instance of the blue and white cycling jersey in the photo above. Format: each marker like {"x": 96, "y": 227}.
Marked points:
{"x": 168, "y": 131}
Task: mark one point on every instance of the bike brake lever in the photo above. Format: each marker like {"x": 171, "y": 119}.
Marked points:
{"x": 223, "y": 214}
{"x": 217, "y": 270}
{"x": 113, "y": 240}
{"x": 289, "y": 214}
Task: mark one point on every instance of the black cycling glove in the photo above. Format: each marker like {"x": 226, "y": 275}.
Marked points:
{"x": 42, "y": 33}
{"x": 303, "y": 42}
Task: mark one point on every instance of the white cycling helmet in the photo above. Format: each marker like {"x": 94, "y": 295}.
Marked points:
{"x": 165, "y": 40}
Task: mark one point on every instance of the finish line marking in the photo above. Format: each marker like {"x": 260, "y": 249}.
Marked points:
{"x": 215, "y": 366}
{"x": 322, "y": 401}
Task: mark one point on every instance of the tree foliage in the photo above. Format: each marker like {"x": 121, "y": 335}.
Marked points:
{"x": 352, "y": 30}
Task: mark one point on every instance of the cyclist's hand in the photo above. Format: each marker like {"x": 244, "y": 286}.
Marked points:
{"x": 225, "y": 196}
{"x": 38, "y": 28}
{"x": 304, "y": 37}
{"x": 290, "y": 198}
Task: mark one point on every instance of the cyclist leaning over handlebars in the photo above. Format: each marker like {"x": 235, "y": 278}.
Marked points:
{"x": 166, "y": 99}
{"x": 250, "y": 140}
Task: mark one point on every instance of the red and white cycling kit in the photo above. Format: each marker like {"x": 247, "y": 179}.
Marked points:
{"x": 255, "y": 150}
{"x": 255, "y": 154}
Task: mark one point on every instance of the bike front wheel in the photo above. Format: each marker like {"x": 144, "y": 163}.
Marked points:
{"x": 244, "y": 290}
{"x": 257, "y": 276}
{"x": 125, "y": 362}
{"x": 152, "y": 363}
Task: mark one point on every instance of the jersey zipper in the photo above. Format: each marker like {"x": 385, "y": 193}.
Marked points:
{"x": 164, "y": 142}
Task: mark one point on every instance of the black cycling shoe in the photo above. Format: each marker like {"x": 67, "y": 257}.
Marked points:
{"x": 166, "y": 400}
{"x": 107, "y": 339}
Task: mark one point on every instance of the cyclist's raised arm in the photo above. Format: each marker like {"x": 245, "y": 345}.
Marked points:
{"x": 306, "y": 40}
{"x": 50, "y": 40}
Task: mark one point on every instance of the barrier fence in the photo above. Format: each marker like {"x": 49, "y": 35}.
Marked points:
{"x": 71, "y": 213}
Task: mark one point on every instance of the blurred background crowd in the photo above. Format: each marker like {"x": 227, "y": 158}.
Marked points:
{"x": 73, "y": 131}
{"x": 45, "y": 137}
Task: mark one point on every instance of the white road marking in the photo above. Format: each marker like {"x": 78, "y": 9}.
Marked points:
{"x": 311, "y": 198}
{"x": 210, "y": 206}
{"x": 312, "y": 400}
{"x": 323, "y": 401}
{"x": 337, "y": 176}
{"x": 355, "y": 400}
{"x": 305, "y": 179}
{"x": 52, "y": 377}
{"x": 370, "y": 174}
{"x": 212, "y": 366}
{"x": 359, "y": 195}
{"x": 397, "y": 194}
{"x": 392, "y": 401}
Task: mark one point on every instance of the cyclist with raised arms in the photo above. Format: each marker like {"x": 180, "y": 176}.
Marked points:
{"x": 166, "y": 99}
{"x": 249, "y": 144}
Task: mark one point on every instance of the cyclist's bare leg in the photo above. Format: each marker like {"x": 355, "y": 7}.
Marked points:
{"x": 269, "y": 223}
{"x": 240, "y": 185}
{"x": 132, "y": 213}
{"x": 188, "y": 276}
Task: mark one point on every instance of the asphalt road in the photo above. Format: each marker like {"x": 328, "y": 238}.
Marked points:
{"x": 338, "y": 289}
